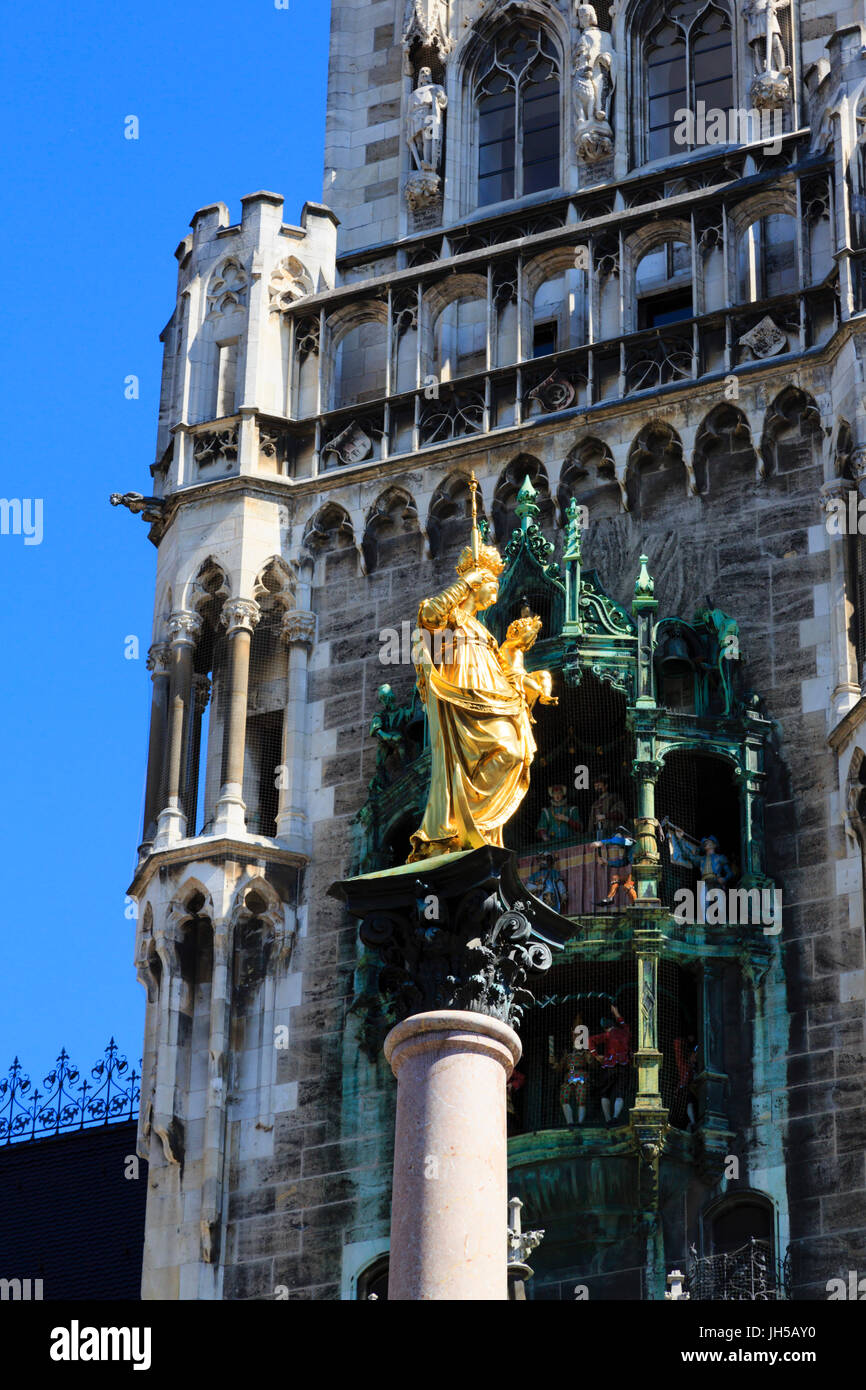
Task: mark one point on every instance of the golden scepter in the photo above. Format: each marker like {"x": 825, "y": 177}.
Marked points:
{"x": 476, "y": 535}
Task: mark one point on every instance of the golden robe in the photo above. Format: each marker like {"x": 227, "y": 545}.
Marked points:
{"x": 480, "y": 732}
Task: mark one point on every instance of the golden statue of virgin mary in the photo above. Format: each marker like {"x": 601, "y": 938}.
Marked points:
{"x": 479, "y": 699}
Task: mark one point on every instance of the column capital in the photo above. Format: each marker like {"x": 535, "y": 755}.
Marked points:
{"x": 649, "y": 769}
{"x": 159, "y": 658}
{"x": 184, "y": 628}
{"x": 455, "y": 936}
{"x": 240, "y": 615}
{"x": 298, "y": 627}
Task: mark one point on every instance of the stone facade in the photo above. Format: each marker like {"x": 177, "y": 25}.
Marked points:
{"x": 327, "y": 389}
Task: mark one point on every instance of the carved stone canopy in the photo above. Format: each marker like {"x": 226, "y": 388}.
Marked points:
{"x": 456, "y": 932}
{"x": 426, "y": 23}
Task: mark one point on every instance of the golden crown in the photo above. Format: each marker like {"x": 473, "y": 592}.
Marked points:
{"x": 488, "y": 559}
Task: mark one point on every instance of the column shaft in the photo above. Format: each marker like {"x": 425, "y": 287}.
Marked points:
{"x": 185, "y": 628}
{"x": 158, "y": 660}
{"x": 450, "y": 1195}
{"x": 240, "y": 617}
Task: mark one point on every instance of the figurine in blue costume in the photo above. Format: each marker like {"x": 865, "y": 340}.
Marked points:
{"x": 548, "y": 884}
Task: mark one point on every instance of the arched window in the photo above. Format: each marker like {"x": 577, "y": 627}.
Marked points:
{"x": 687, "y": 51}
{"x": 767, "y": 258}
{"x": 663, "y": 285}
{"x": 518, "y": 102}
{"x": 373, "y": 1281}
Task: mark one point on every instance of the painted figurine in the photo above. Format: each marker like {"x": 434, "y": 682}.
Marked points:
{"x": 612, "y": 1048}
{"x": 617, "y": 852}
{"x": 574, "y": 1066}
{"x": 558, "y": 820}
{"x": 607, "y": 810}
{"x": 548, "y": 884}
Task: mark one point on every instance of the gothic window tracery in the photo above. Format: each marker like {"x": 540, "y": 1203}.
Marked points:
{"x": 685, "y": 57}
{"x": 517, "y": 99}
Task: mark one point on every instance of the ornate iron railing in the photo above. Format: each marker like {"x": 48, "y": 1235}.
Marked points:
{"x": 750, "y": 1274}
{"x": 68, "y": 1102}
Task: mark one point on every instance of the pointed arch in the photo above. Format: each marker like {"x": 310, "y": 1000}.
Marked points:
{"x": 656, "y": 466}
{"x": 508, "y": 119}
{"x": 391, "y": 527}
{"x": 724, "y": 449}
{"x": 510, "y": 481}
{"x": 589, "y": 476}
{"x": 450, "y": 515}
{"x": 792, "y": 436}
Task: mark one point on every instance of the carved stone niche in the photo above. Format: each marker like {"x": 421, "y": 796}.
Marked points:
{"x": 460, "y": 934}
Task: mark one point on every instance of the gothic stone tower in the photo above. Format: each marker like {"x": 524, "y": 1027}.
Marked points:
{"x": 614, "y": 258}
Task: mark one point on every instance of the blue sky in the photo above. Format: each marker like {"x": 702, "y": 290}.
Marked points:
{"x": 230, "y": 99}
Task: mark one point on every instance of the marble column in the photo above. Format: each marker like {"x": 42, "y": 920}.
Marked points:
{"x": 298, "y": 633}
{"x": 158, "y": 663}
{"x": 240, "y": 617}
{"x": 184, "y": 628}
{"x": 450, "y": 1192}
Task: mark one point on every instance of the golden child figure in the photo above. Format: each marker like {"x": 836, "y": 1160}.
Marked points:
{"x": 478, "y": 701}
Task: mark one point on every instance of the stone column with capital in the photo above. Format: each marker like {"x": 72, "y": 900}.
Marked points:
{"x": 298, "y": 633}
{"x": 459, "y": 941}
{"x": 158, "y": 663}
{"x": 240, "y": 617}
{"x": 184, "y": 628}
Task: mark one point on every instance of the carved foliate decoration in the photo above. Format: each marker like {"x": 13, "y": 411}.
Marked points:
{"x": 299, "y": 627}
{"x": 454, "y": 937}
{"x": 184, "y": 628}
{"x": 423, "y": 189}
{"x": 215, "y": 444}
{"x": 600, "y": 616}
{"x": 240, "y": 614}
{"x": 159, "y": 658}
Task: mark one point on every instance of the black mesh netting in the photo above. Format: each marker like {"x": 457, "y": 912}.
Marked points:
{"x": 555, "y": 1072}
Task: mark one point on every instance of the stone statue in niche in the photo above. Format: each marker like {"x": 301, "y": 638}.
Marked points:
{"x": 424, "y": 132}
{"x": 594, "y": 81}
{"x": 770, "y": 86}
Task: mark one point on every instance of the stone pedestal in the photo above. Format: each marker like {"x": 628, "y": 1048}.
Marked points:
{"x": 450, "y": 1194}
